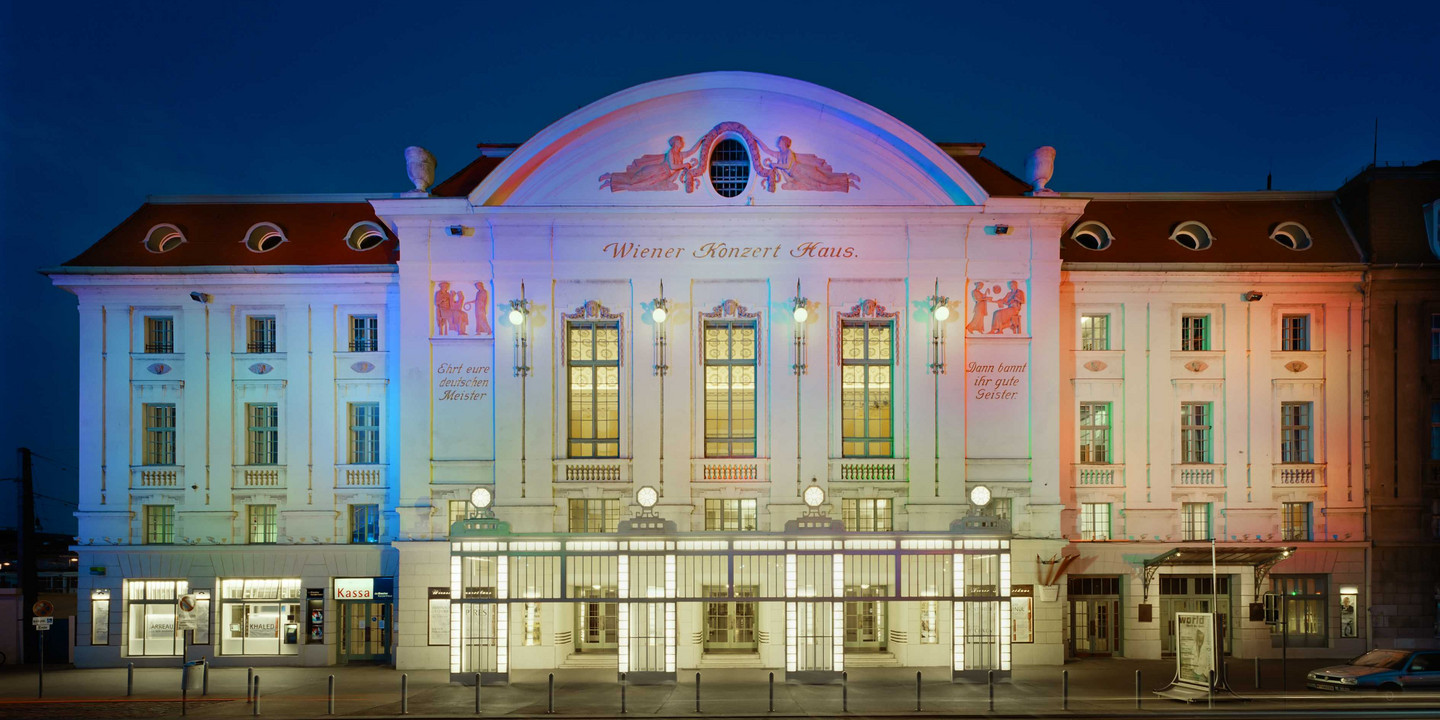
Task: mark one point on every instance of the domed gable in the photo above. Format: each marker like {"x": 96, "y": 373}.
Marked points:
{"x": 724, "y": 139}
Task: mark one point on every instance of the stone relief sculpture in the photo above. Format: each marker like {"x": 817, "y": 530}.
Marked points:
{"x": 1008, "y": 315}
{"x": 480, "y": 305}
{"x": 420, "y": 166}
{"x": 1038, "y": 170}
{"x": 780, "y": 168}
{"x": 451, "y": 317}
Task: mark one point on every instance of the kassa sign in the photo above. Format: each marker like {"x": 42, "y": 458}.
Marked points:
{"x": 354, "y": 588}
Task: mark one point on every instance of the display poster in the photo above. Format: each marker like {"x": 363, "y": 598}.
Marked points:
{"x": 1195, "y": 655}
{"x": 439, "y": 615}
{"x": 315, "y": 615}
{"x": 1349, "y": 600}
{"x": 201, "y": 634}
{"x": 1022, "y": 614}
{"x": 100, "y": 617}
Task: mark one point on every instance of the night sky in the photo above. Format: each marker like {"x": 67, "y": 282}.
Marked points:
{"x": 104, "y": 104}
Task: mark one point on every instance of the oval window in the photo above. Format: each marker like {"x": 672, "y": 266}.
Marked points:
{"x": 364, "y": 236}
{"x": 264, "y": 237}
{"x": 729, "y": 168}
{"x": 163, "y": 238}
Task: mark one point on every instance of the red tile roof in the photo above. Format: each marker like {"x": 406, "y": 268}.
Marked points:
{"x": 462, "y": 183}
{"x": 1240, "y": 223}
{"x": 215, "y": 235}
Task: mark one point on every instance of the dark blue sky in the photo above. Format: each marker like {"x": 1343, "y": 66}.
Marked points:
{"x": 103, "y": 104}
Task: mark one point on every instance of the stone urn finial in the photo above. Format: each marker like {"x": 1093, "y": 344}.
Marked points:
{"x": 420, "y": 166}
{"x": 1038, "y": 170}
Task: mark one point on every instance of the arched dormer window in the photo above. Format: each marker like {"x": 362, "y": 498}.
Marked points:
{"x": 1092, "y": 235}
{"x": 163, "y": 238}
{"x": 1193, "y": 235}
{"x": 729, "y": 167}
{"x": 264, "y": 237}
{"x": 364, "y": 236}
{"x": 1292, "y": 235}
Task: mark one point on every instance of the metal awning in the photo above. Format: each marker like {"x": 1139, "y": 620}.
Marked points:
{"x": 1260, "y": 558}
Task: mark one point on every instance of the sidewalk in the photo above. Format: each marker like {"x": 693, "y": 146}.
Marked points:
{"x": 1096, "y": 687}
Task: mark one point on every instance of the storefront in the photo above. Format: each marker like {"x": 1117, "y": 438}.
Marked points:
{"x": 150, "y": 607}
{"x": 260, "y": 616}
{"x": 365, "y": 607}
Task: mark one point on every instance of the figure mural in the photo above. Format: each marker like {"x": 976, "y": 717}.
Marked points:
{"x": 451, "y": 318}
{"x": 778, "y": 169}
{"x": 1008, "y": 315}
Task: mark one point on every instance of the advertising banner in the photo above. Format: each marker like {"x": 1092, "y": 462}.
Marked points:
{"x": 1196, "y": 654}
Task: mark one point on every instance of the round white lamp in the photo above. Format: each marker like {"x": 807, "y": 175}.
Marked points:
{"x": 659, "y": 314}
{"x": 814, "y": 496}
{"x": 481, "y": 498}
{"x": 647, "y": 497}
{"x": 801, "y": 314}
{"x": 980, "y": 495}
{"x": 516, "y": 316}
{"x": 942, "y": 313}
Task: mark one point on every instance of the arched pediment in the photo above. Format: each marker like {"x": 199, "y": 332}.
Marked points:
{"x": 799, "y": 144}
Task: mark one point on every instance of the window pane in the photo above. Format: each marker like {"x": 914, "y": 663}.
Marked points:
{"x": 865, "y": 383}
{"x": 593, "y": 349}
{"x": 730, "y": 376}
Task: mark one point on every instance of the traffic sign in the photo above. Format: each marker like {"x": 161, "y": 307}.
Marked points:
{"x": 187, "y": 618}
{"x": 43, "y": 608}
{"x": 187, "y": 603}
{"x": 42, "y": 623}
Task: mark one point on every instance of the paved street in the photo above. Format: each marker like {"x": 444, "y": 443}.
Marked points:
{"x": 1098, "y": 688}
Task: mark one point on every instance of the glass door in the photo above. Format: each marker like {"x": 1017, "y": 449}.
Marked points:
{"x": 597, "y": 623}
{"x": 364, "y": 632}
{"x": 1094, "y": 626}
{"x": 865, "y": 620}
{"x": 730, "y": 626}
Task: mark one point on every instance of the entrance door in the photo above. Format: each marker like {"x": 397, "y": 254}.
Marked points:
{"x": 730, "y": 626}
{"x": 865, "y": 620}
{"x": 1094, "y": 626}
{"x": 597, "y": 624}
{"x": 364, "y": 632}
{"x": 1180, "y": 593}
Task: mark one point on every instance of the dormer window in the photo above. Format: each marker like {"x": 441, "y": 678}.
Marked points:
{"x": 1092, "y": 235}
{"x": 1292, "y": 235}
{"x": 1193, "y": 235}
{"x": 264, "y": 237}
{"x": 729, "y": 167}
{"x": 364, "y": 236}
{"x": 163, "y": 238}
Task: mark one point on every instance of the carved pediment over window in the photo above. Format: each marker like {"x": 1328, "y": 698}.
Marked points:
{"x": 729, "y": 310}
{"x": 870, "y": 309}
{"x": 591, "y": 310}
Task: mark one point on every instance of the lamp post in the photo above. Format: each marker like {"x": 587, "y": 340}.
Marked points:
{"x": 519, "y": 317}
{"x": 800, "y": 310}
{"x": 659, "y": 313}
{"x": 939, "y": 313}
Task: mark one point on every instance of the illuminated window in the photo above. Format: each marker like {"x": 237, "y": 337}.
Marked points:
{"x": 594, "y": 389}
{"x": 1095, "y": 521}
{"x": 151, "y": 605}
{"x": 459, "y": 510}
{"x": 261, "y": 524}
{"x": 530, "y": 630}
{"x": 364, "y": 524}
{"x": 1095, "y": 433}
{"x": 1196, "y": 433}
{"x": 1296, "y": 520}
{"x": 1195, "y": 332}
{"x": 730, "y": 371}
{"x": 866, "y": 514}
{"x": 1305, "y": 610}
{"x": 260, "y": 334}
{"x": 1195, "y": 521}
{"x": 1295, "y": 333}
{"x": 730, "y": 514}
{"x": 159, "y": 524}
{"x": 599, "y": 515}
{"x": 929, "y": 622}
{"x": 159, "y": 447}
{"x": 865, "y": 368}
{"x": 159, "y": 334}
{"x": 364, "y": 333}
{"x": 1295, "y": 446}
{"x": 364, "y": 433}
{"x": 262, "y": 432}
{"x": 1094, "y": 332}
{"x": 729, "y": 167}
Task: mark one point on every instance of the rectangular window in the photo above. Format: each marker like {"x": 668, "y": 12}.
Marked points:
{"x": 1295, "y": 423}
{"x": 866, "y": 514}
{"x": 1295, "y": 332}
{"x": 364, "y": 333}
{"x": 1001, "y": 508}
{"x": 260, "y": 334}
{"x": 364, "y": 524}
{"x": 530, "y": 630}
{"x": 730, "y": 514}
{"x": 594, "y": 515}
{"x": 261, "y": 616}
{"x": 730, "y": 372}
{"x": 1196, "y": 433}
{"x": 1094, "y": 332}
{"x": 866, "y": 357}
{"x": 1195, "y": 332}
{"x": 1195, "y": 521}
{"x": 459, "y": 510}
{"x": 1095, "y": 433}
{"x": 261, "y": 524}
{"x": 1304, "y": 610}
{"x": 159, "y": 524}
{"x": 262, "y": 434}
{"x": 1095, "y": 521}
{"x": 100, "y": 616}
{"x": 159, "y": 334}
{"x": 159, "y": 446}
{"x": 151, "y": 605}
{"x": 929, "y": 622}
{"x": 1296, "y": 520}
{"x": 364, "y": 433}
{"x": 594, "y": 388}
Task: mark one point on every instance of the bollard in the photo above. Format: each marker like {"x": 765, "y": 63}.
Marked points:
{"x": 1064, "y": 689}
{"x": 255, "y": 697}
{"x": 404, "y": 693}
{"x": 845, "y": 692}
{"x": 249, "y": 680}
{"x": 550, "y": 703}
{"x": 622, "y": 693}
{"x": 330, "y": 696}
{"x": 130, "y": 680}
{"x": 990, "y": 680}
{"x": 1137, "y": 689}
{"x": 772, "y": 692}
{"x": 1210, "y": 692}
{"x": 205, "y": 678}
{"x": 184, "y": 687}
{"x": 1257, "y": 673}
{"x": 697, "y": 692}
{"x": 477, "y": 693}
{"x": 917, "y": 691}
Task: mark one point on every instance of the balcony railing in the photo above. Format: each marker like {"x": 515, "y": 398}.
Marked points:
{"x": 716, "y": 470}
{"x": 879, "y": 469}
{"x": 1099, "y": 476}
{"x": 1199, "y": 476}
{"x": 1299, "y": 475}
{"x": 360, "y": 476}
{"x": 592, "y": 471}
{"x": 259, "y": 476}
{"x": 157, "y": 476}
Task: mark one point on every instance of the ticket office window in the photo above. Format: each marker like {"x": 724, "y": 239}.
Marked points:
{"x": 260, "y": 616}
{"x": 151, "y": 608}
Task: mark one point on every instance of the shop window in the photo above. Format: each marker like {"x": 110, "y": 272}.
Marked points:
{"x": 1196, "y": 432}
{"x": 594, "y": 388}
{"x": 594, "y": 515}
{"x": 1094, "y": 332}
{"x": 100, "y": 616}
{"x": 929, "y": 622}
{"x": 261, "y": 523}
{"x": 1195, "y": 333}
{"x": 159, "y": 524}
{"x": 260, "y": 334}
{"x": 1296, "y": 520}
{"x": 730, "y": 514}
{"x": 731, "y": 355}
{"x": 530, "y": 628}
{"x": 1304, "y": 612}
{"x": 159, "y": 445}
{"x": 364, "y": 433}
{"x": 866, "y": 359}
{"x": 262, "y": 434}
{"x": 866, "y": 514}
{"x": 1095, "y": 433}
{"x": 159, "y": 334}
{"x": 364, "y": 333}
{"x": 1295, "y": 432}
{"x": 1295, "y": 333}
{"x": 1195, "y": 521}
{"x": 151, "y": 605}
{"x": 260, "y": 616}
{"x": 1095, "y": 521}
{"x": 364, "y": 524}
